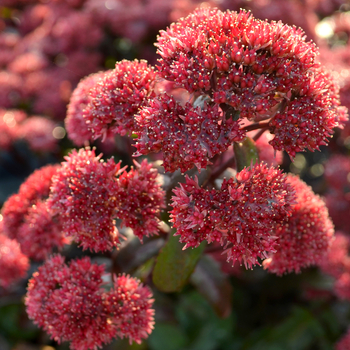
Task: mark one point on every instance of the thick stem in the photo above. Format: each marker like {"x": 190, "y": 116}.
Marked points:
{"x": 258, "y": 134}
{"x": 256, "y": 126}
{"x": 218, "y": 171}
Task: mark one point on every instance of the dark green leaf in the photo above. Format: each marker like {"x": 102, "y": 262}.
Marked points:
{"x": 214, "y": 285}
{"x": 175, "y": 265}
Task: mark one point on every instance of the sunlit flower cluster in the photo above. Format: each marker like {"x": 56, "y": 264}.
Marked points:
{"x": 305, "y": 237}
{"x": 26, "y": 217}
{"x": 117, "y": 97}
{"x": 88, "y": 196}
{"x": 242, "y": 215}
{"x": 71, "y": 304}
{"x": 14, "y": 264}
{"x": 256, "y": 70}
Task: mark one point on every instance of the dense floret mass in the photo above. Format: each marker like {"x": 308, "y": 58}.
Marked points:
{"x": 71, "y": 303}
{"x": 14, "y": 264}
{"x": 83, "y": 195}
{"x": 118, "y": 97}
{"x": 188, "y": 136}
{"x": 129, "y": 304}
{"x": 40, "y": 232}
{"x": 305, "y": 238}
{"x": 75, "y": 123}
{"x": 139, "y": 199}
{"x": 338, "y": 259}
{"x": 242, "y": 215}
{"x": 257, "y": 70}
{"x": 26, "y": 217}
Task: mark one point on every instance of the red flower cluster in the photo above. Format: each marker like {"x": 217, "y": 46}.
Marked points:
{"x": 115, "y": 99}
{"x": 82, "y": 194}
{"x": 337, "y": 264}
{"x": 35, "y": 130}
{"x": 26, "y": 217}
{"x": 88, "y": 196}
{"x": 70, "y": 304}
{"x": 187, "y": 136}
{"x": 256, "y": 70}
{"x": 242, "y": 215}
{"x": 129, "y": 306}
{"x": 14, "y": 264}
{"x": 306, "y": 236}
{"x": 337, "y": 174}
{"x": 139, "y": 199}
{"x": 76, "y": 127}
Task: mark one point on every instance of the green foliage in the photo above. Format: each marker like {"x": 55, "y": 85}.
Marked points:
{"x": 246, "y": 153}
{"x": 175, "y": 265}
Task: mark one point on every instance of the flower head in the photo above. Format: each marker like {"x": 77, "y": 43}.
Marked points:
{"x": 338, "y": 259}
{"x": 70, "y": 303}
{"x": 40, "y": 232}
{"x": 256, "y": 70}
{"x": 25, "y": 216}
{"x": 139, "y": 199}
{"x": 242, "y": 215}
{"x": 37, "y": 131}
{"x": 129, "y": 304}
{"x": 83, "y": 195}
{"x": 188, "y": 136}
{"x": 305, "y": 238}
{"x": 77, "y": 129}
{"x": 14, "y": 264}
{"x": 118, "y": 97}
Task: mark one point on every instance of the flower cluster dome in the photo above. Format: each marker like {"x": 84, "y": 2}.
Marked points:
{"x": 242, "y": 215}
{"x": 71, "y": 304}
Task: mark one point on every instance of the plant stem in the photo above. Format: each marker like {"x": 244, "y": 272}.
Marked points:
{"x": 256, "y": 126}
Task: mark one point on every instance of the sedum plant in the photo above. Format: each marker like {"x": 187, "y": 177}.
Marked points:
{"x": 227, "y": 88}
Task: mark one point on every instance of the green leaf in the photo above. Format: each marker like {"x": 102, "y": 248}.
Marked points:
{"x": 246, "y": 153}
{"x": 214, "y": 285}
{"x": 175, "y": 265}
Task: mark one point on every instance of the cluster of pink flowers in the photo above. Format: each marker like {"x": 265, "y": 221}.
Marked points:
{"x": 221, "y": 76}
{"x": 337, "y": 170}
{"x": 304, "y": 239}
{"x": 242, "y": 215}
{"x": 87, "y": 196}
{"x": 187, "y": 136}
{"x": 268, "y": 74}
{"x": 75, "y": 123}
{"x": 117, "y": 97}
{"x": 35, "y": 130}
{"x": 14, "y": 264}
{"x": 26, "y": 217}
{"x": 71, "y": 304}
